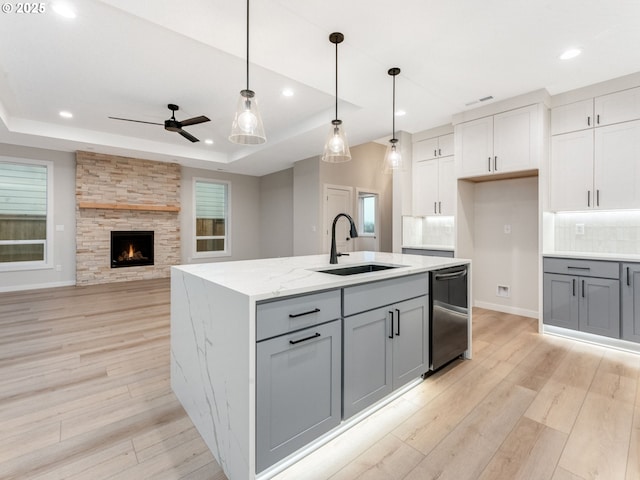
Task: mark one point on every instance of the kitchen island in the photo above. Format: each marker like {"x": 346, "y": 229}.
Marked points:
{"x": 226, "y": 316}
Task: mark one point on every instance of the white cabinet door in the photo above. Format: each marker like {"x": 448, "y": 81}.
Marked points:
{"x": 571, "y": 172}
{"x": 572, "y": 117}
{"x": 474, "y": 147}
{"x": 514, "y": 140}
{"x": 617, "y": 166}
{"x": 447, "y": 186}
{"x": 425, "y": 149}
{"x": 425, "y": 188}
{"x": 617, "y": 107}
{"x": 445, "y": 145}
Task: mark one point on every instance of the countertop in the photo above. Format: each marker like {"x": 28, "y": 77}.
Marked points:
{"x": 445, "y": 248}
{"x": 612, "y": 257}
{"x": 264, "y": 279}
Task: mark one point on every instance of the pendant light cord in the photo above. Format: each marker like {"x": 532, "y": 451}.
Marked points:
{"x": 336, "y": 81}
{"x": 393, "y": 113}
{"x": 247, "y": 44}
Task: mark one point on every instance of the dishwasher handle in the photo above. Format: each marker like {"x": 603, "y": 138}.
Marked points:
{"x": 449, "y": 276}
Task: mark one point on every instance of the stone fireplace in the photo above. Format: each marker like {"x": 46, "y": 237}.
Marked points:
{"x": 118, "y": 194}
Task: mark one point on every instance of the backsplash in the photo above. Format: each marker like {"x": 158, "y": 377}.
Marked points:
{"x": 604, "y": 232}
{"x": 433, "y": 231}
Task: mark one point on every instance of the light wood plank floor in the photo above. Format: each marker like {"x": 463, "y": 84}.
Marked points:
{"x": 85, "y": 395}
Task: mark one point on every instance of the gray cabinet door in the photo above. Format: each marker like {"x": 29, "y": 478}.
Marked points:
{"x": 630, "y": 282}
{"x": 367, "y": 359}
{"x": 560, "y": 301}
{"x": 410, "y": 340}
{"x": 298, "y": 390}
{"x": 600, "y": 306}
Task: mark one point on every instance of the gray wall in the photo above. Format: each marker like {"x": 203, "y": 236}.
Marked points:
{"x": 245, "y": 215}
{"x": 276, "y": 214}
{"x": 64, "y": 218}
{"x": 307, "y": 223}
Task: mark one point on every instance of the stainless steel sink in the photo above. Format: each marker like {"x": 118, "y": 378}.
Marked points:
{"x": 356, "y": 269}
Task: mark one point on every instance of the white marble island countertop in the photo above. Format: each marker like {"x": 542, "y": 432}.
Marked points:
{"x": 275, "y": 277}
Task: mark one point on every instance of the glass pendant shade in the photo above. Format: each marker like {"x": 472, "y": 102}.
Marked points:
{"x": 392, "y": 157}
{"x": 336, "y": 148}
{"x": 247, "y": 128}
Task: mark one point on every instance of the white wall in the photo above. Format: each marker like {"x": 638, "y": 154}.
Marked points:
{"x": 276, "y": 214}
{"x": 64, "y": 213}
{"x": 500, "y": 258}
{"x": 245, "y": 215}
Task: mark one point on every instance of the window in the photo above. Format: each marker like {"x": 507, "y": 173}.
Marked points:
{"x": 211, "y": 218}
{"x": 367, "y": 203}
{"x": 25, "y": 204}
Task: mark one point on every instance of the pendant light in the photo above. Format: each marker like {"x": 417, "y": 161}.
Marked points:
{"x": 336, "y": 148}
{"x": 393, "y": 158}
{"x": 247, "y": 128}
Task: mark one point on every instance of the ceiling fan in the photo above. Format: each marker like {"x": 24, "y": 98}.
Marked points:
{"x": 172, "y": 124}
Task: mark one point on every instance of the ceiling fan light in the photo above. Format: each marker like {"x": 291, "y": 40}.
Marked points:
{"x": 336, "y": 148}
{"x": 247, "y": 127}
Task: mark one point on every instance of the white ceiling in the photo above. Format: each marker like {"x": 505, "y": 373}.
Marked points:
{"x": 130, "y": 59}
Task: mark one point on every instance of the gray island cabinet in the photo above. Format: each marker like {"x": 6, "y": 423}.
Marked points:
{"x": 258, "y": 349}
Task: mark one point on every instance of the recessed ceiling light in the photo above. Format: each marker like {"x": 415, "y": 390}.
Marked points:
{"x": 570, "y": 53}
{"x": 208, "y": 141}
{"x": 400, "y": 113}
{"x": 64, "y": 10}
{"x": 287, "y": 92}
{"x": 65, "y": 114}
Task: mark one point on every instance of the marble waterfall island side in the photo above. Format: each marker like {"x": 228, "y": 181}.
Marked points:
{"x": 213, "y": 337}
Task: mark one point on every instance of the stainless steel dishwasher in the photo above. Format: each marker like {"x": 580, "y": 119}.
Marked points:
{"x": 448, "y": 330}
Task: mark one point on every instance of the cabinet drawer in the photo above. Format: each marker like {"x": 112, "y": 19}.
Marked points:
{"x": 368, "y": 296}
{"x": 584, "y": 268}
{"x": 287, "y": 315}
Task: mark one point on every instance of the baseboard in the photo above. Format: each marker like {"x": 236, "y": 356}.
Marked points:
{"x": 523, "y": 312}
{"x": 38, "y": 286}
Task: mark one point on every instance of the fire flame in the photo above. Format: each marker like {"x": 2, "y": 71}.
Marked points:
{"x": 131, "y": 251}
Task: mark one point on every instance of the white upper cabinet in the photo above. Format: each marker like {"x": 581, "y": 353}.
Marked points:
{"x": 433, "y": 148}
{"x": 572, "y": 117}
{"x": 434, "y": 187}
{"x": 617, "y": 107}
{"x": 503, "y": 143}
{"x": 596, "y": 168}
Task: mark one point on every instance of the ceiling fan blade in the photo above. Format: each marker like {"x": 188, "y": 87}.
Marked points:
{"x": 188, "y": 136}
{"x": 195, "y": 120}
{"x": 137, "y": 121}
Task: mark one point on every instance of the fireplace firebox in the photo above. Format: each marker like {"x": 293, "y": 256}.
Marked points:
{"x": 131, "y": 248}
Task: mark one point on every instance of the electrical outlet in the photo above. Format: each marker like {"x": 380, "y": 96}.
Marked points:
{"x": 503, "y": 291}
{"x": 507, "y": 229}
{"x": 579, "y": 228}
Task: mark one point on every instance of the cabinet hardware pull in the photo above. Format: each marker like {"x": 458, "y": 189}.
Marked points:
{"x": 582, "y": 288}
{"x": 295, "y": 315}
{"x": 293, "y": 342}
{"x": 489, "y": 164}
{"x": 391, "y": 331}
{"x": 588, "y": 121}
{"x": 398, "y": 330}
{"x": 573, "y": 281}
{"x": 598, "y": 119}
{"x": 570, "y": 267}
{"x": 597, "y": 198}
{"x": 628, "y": 278}
{"x": 439, "y": 207}
{"x": 449, "y": 276}
{"x": 588, "y": 198}
{"x": 440, "y": 151}
{"x": 495, "y": 163}
{"x": 435, "y": 152}
{"x": 435, "y": 210}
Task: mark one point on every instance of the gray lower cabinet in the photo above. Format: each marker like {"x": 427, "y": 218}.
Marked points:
{"x": 582, "y": 302}
{"x": 384, "y": 349}
{"x": 630, "y": 286}
{"x": 298, "y": 390}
